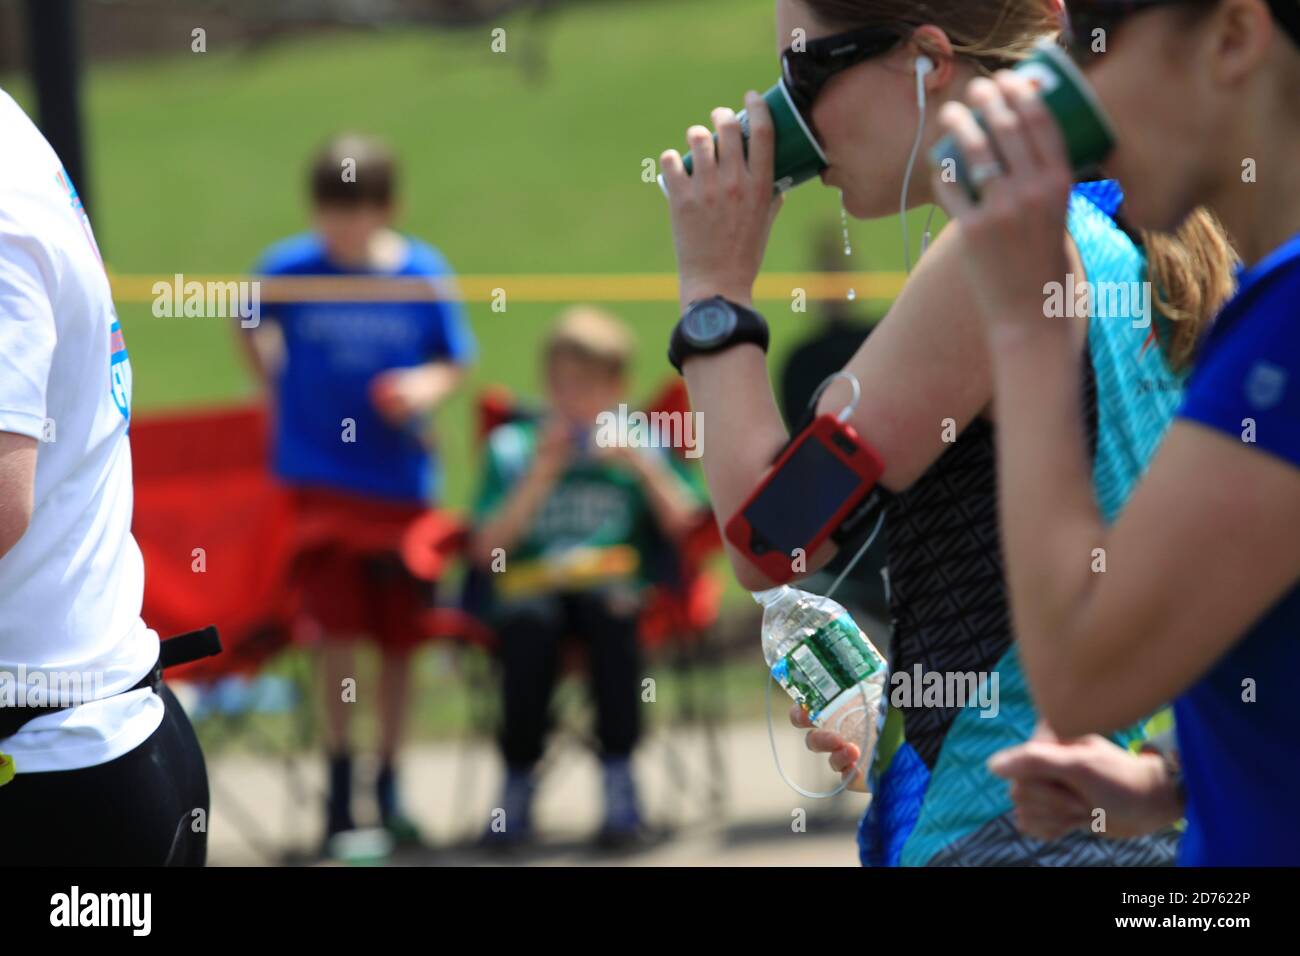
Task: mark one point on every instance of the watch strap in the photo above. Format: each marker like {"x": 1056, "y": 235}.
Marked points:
{"x": 750, "y": 328}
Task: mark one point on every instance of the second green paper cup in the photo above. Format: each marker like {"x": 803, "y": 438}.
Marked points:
{"x": 1072, "y": 103}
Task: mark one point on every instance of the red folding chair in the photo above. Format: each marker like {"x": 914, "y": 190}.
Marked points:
{"x": 217, "y": 535}
{"x": 218, "y": 539}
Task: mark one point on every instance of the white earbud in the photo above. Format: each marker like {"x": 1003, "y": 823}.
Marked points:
{"x": 924, "y": 67}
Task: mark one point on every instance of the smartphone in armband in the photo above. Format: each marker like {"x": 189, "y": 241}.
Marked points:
{"x": 817, "y": 484}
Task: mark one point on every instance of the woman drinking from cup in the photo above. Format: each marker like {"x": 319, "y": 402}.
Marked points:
{"x": 1200, "y": 601}
{"x": 867, "y": 86}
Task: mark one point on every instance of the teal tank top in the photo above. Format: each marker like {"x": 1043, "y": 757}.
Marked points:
{"x": 1137, "y": 392}
{"x": 947, "y": 809}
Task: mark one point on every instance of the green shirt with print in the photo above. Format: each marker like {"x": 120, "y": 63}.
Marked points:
{"x": 596, "y": 524}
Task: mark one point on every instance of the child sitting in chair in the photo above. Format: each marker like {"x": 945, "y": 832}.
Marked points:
{"x": 567, "y": 520}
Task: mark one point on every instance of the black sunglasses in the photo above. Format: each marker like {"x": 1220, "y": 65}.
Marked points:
{"x": 1090, "y": 24}
{"x": 808, "y": 71}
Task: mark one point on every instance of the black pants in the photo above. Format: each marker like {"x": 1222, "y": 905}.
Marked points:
{"x": 531, "y": 635}
{"x": 137, "y": 810}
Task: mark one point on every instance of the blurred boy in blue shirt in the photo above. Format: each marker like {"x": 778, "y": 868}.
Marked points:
{"x": 352, "y": 385}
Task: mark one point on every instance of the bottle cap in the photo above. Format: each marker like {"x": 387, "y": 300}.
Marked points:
{"x": 771, "y": 596}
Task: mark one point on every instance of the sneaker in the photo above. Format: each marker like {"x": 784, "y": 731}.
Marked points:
{"x": 370, "y": 847}
{"x": 338, "y": 804}
{"x": 515, "y": 826}
{"x": 399, "y": 826}
{"x": 622, "y": 824}
{"x": 404, "y": 831}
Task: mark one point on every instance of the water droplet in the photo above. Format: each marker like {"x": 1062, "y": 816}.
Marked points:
{"x": 848, "y": 245}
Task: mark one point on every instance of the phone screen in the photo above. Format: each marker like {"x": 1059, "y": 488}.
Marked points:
{"x": 800, "y": 499}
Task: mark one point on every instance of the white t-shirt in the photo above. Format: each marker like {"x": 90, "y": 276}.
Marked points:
{"x": 71, "y": 588}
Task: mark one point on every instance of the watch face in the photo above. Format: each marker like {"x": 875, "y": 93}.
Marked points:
{"x": 709, "y": 324}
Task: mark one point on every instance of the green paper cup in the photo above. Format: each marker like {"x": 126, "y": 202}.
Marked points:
{"x": 798, "y": 157}
{"x": 1068, "y": 97}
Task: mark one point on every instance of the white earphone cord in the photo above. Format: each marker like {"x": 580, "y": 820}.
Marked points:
{"x": 844, "y": 416}
{"x": 776, "y": 757}
{"x": 923, "y": 68}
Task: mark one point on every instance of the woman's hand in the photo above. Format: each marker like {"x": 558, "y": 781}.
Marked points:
{"x": 1063, "y": 785}
{"x": 1017, "y": 230}
{"x": 844, "y": 755}
{"x": 722, "y": 213}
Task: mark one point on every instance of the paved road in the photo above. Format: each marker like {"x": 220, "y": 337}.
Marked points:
{"x": 262, "y": 811}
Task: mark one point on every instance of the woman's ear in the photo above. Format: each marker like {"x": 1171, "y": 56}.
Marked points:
{"x": 1243, "y": 32}
{"x": 931, "y": 43}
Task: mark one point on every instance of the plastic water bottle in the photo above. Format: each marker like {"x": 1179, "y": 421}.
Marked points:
{"x": 817, "y": 652}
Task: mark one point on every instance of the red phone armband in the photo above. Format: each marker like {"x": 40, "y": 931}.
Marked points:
{"x": 819, "y": 482}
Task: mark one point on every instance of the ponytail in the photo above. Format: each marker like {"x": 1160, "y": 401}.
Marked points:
{"x": 1192, "y": 272}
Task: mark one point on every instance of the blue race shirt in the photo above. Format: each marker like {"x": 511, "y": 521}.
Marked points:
{"x": 1241, "y": 758}
{"x": 333, "y": 352}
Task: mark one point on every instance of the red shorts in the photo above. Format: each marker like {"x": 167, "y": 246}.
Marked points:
{"x": 351, "y": 576}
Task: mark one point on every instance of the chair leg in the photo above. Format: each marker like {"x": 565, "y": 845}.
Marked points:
{"x": 714, "y": 718}
{"x": 243, "y": 823}
{"x": 303, "y": 678}
{"x": 481, "y": 712}
{"x": 704, "y": 706}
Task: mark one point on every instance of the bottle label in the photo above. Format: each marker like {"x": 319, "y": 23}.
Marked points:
{"x": 834, "y": 659}
{"x": 843, "y": 642}
{"x": 810, "y": 676}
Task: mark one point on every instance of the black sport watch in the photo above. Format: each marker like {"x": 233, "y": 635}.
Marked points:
{"x": 712, "y": 325}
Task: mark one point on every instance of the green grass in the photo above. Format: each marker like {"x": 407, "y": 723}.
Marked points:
{"x": 198, "y": 162}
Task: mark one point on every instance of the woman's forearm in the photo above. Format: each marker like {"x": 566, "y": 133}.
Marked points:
{"x": 1054, "y": 539}
{"x": 742, "y": 433}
